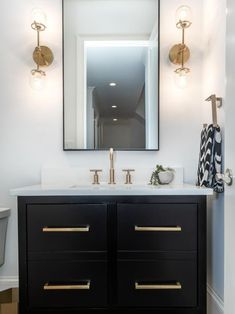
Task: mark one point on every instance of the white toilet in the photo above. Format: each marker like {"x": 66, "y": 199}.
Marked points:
{"x": 4, "y": 214}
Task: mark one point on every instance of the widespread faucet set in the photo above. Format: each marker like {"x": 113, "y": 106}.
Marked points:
{"x": 111, "y": 172}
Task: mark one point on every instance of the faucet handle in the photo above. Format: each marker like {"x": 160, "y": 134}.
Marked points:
{"x": 128, "y": 175}
{"x": 96, "y": 175}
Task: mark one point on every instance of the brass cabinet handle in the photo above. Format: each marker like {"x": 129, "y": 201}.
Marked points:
{"x": 66, "y": 229}
{"x": 176, "y": 286}
{"x": 158, "y": 229}
{"x": 85, "y": 286}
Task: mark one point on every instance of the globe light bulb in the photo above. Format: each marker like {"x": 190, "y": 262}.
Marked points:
{"x": 181, "y": 80}
{"x": 183, "y": 13}
{"x": 37, "y": 80}
{"x": 39, "y": 16}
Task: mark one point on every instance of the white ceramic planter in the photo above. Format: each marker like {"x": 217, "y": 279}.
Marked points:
{"x": 166, "y": 177}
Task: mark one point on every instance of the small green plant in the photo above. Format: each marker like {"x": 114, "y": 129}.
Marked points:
{"x": 155, "y": 180}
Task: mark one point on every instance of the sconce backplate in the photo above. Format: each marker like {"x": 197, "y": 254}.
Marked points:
{"x": 43, "y": 56}
{"x": 176, "y": 51}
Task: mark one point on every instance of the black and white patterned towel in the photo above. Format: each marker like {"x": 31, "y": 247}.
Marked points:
{"x": 210, "y": 159}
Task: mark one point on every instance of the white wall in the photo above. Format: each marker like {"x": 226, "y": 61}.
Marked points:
{"x": 229, "y": 213}
{"x": 31, "y": 123}
{"x": 214, "y": 83}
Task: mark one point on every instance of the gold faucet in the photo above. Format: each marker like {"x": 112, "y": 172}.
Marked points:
{"x": 111, "y": 169}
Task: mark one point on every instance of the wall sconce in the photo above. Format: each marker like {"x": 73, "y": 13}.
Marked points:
{"x": 42, "y": 55}
{"x": 180, "y": 53}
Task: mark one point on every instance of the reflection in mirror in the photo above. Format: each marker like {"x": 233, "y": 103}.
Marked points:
{"x": 111, "y": 74}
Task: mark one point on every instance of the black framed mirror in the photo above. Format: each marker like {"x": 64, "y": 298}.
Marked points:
{"x": 111, "y": 74}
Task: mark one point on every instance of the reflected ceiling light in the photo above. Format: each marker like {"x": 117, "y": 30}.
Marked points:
{"x": 112, "y": 84}
{"x": 115, "y": 119}
{"x": 114, "y": 106}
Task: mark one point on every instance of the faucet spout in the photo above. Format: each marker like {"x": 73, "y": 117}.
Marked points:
{"x": 111, "y": 169}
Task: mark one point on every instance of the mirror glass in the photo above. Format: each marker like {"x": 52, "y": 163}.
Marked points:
{"x": 111, "y": 74}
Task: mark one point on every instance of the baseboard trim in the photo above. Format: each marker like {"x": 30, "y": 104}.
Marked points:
{"x": 8, "y": 282}
{"x": 215, "y": 304}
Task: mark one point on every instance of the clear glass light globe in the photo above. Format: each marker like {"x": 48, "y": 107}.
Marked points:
{"x": 183, "y": 13}
{"x": 37, "y": 81}
{"x": 39, "y": 16}
{"x": 182, "y": 80}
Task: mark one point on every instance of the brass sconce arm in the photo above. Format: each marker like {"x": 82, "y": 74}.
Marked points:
{"x": 42, "y": 55}
{"x": 179, "y": 54}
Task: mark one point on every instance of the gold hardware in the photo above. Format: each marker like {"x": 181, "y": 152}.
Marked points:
{"x": 111, "y": 170}
{"x": 215, "y": 99}
{"x": 112, "y": 176}
{"x": 158, "y": 229}
{"x": 39, "y": 27}
{"x": 37, "y": 71}
{"x": 96, "y": 175}
{"x": 183, "y": 24}
{"x": 175, "y": 286}
{"x": 216, "y": 102}
{"x": 42, "y": 55}
{"x": 69, "y": 229}
{"x": 128, "y": 175}
{"x": 176, "y": 51}
{"x": 85, "y": 286}
{"x": 179, "y": 54}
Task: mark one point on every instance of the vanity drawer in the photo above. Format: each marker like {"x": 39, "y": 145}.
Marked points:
{"x": 161, "y": 227}
{"x": 159, "y": 283}
{"x": 66, "y": 227}
{"x": 67, "y": 284}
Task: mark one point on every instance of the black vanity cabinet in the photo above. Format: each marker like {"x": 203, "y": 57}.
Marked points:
{"x": 109, "y": 254}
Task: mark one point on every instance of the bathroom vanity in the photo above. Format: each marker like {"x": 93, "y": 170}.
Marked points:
{"x": 112, "y": 249}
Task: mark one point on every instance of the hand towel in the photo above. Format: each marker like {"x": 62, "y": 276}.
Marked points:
{"x": 210, "y": 158}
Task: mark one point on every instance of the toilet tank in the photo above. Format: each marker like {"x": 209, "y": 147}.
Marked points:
{"x": 4, "y": 214}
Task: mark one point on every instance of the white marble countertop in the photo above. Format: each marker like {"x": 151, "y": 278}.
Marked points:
{"x": 38, "y": 190}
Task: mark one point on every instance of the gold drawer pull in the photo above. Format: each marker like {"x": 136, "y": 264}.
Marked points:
{"x": 85, "y": 286}
{"x": 158, "y": 229}
{"x": 176, "y": 286}
{"x": 69, "y": 229}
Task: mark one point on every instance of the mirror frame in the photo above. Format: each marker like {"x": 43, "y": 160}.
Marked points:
{"x": 158, "y": 86}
